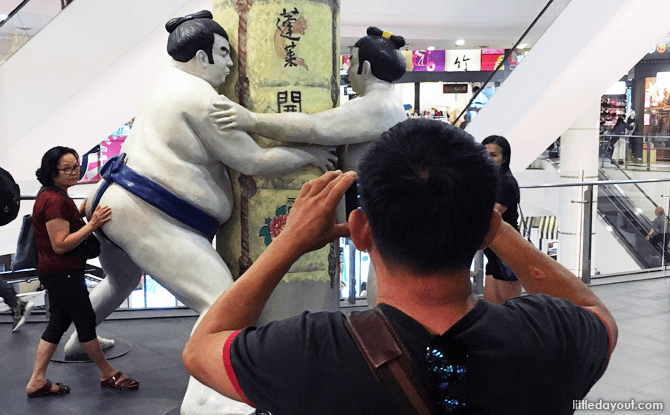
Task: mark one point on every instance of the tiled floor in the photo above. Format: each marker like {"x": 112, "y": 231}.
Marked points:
{"x": 639, "y": 369}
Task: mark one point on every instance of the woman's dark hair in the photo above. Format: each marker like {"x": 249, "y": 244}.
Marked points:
{"x": 504, "y": 146}
{"x": 192, "y": 33}
{"x": 386, "y": 61}
{"x": 49, "y": 168}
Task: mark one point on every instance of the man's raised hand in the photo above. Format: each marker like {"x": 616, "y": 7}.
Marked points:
{"x": 312, "y": 222}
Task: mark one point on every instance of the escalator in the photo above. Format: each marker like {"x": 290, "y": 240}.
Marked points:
{"x": 626, "y": 209}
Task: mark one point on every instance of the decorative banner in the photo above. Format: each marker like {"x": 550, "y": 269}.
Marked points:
{"x": 287, "y": 59}
{"x": 491, "y": 58}
{"x": 428, "y": 60}
{"x": 468, "y": 60}
{"x": 92, "y": 162}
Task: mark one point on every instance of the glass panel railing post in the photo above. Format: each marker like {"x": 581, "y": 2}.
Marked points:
{"x": 628, "y": 151}
{"x": 587, "y": 235}
{"x": 479, "y": 273}
{"x": 352, "y": 273}
{"x": 647, "y": 144}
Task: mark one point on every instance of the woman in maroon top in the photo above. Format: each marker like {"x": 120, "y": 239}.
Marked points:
{"x": 59, "y": 229}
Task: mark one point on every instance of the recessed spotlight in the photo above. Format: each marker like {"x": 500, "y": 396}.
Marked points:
{"x": 460, "y": 42}
{"x": 523, "y": 46}
{"x": 431, "y": 47}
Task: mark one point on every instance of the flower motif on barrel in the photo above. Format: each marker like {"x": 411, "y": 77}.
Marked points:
{"x": 273, "y": 226}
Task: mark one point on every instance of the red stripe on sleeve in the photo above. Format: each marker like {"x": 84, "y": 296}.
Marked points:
{"x": 609, "y": 333}
{"x": 230, "y": 371}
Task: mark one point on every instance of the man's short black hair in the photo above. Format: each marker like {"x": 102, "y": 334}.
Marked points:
{"x": 386, "y": 61}
{"x": 428, "y": 190}
{"x": 192, "y": 33}
{"x": 49, "y": 167}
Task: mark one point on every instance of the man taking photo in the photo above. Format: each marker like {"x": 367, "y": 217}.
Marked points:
{"x": 427, "y": 193}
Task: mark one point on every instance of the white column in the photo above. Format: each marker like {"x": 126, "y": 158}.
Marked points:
{"x": 579, "y": 163}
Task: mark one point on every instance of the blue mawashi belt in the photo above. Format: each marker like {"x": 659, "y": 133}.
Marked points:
{"x": 116, "y": 171}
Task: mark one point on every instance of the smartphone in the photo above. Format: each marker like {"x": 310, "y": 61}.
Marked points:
{"x": 351, "y": 198}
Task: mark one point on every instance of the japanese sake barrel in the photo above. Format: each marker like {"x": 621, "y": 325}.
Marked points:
{"x": 286, "y": 56}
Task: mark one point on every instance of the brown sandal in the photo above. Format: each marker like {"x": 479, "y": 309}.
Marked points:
{"x": 126, "y": 383}
{"x": 46, "y": 390}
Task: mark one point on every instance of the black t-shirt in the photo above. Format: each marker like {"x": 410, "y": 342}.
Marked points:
{"x": 510, "y": 197}
{"x": 531, "y": 355}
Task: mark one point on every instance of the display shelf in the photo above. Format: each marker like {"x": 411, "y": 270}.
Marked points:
{"x": 611, "y": 108}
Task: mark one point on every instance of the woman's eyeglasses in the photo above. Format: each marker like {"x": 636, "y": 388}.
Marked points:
{"x": 447, "y": 363}
{"x": 70, "y": 170}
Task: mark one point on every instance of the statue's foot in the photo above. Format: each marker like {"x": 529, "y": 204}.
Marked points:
{"x": 73, "y": 347}
{"x": 201, "y": 400}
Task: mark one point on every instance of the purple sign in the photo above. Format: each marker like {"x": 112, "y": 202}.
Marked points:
{"x": 428, "y": 60}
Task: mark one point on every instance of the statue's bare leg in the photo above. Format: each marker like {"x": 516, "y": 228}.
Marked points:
{"x": 122, "y": 277}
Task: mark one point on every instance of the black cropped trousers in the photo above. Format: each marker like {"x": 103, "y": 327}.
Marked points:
{"x": 70, "y": 302}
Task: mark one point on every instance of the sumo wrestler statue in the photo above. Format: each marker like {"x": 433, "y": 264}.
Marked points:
{"x": 169, "y": 190}
{"x": 376, "y": 62}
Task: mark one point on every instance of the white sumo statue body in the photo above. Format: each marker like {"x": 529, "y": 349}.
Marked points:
{"x": 174, "y": 144}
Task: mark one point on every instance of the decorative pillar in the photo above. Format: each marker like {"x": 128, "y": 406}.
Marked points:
{"x": 579, "y": 163}
{"x": 286, "y": 56}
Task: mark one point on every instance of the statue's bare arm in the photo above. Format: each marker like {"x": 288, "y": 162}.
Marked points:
{"x": 358, "y": 121}
{"x": 238, "y": 150}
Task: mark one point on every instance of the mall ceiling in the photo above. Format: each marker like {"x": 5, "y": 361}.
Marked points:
{"x": 423, "y": 23}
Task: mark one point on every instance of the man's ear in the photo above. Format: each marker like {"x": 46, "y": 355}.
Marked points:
{"x": 202, "y": 58}
{"x": 359, "y": 226}
{"x": 494, "y": 227}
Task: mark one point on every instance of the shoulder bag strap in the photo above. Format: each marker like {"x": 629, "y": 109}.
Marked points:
{"x": 388, "y": 360}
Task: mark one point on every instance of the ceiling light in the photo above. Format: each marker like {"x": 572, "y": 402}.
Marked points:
{"x": 523, "y": 46}
{"x": 3, "y": 17}
{"x": 431, "y": 47}
{"x": 460, "y": 42}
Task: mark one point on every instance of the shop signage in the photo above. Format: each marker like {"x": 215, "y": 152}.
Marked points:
{"x": 346, "y": 62}
{"x": 469, "y": 60}
{"x": 408, "y": 55}
{"x": 428, "y": 60}
{"x": 491, "y": 58}
{"x": 455, "y": 88}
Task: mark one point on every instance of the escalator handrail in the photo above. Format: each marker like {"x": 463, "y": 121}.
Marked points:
{"x": 629, "y": 178}
{"x": 13, "y": 12}
{"x": 624, "y": 206}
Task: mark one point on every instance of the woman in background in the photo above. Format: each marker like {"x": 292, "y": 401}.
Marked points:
{"x": 500, "y": 283}
{"x": 59, "y": 230}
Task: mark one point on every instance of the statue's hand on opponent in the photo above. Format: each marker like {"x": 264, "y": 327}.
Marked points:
{"x": 228, "y": 115}
{"x": 323, "y": 157}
